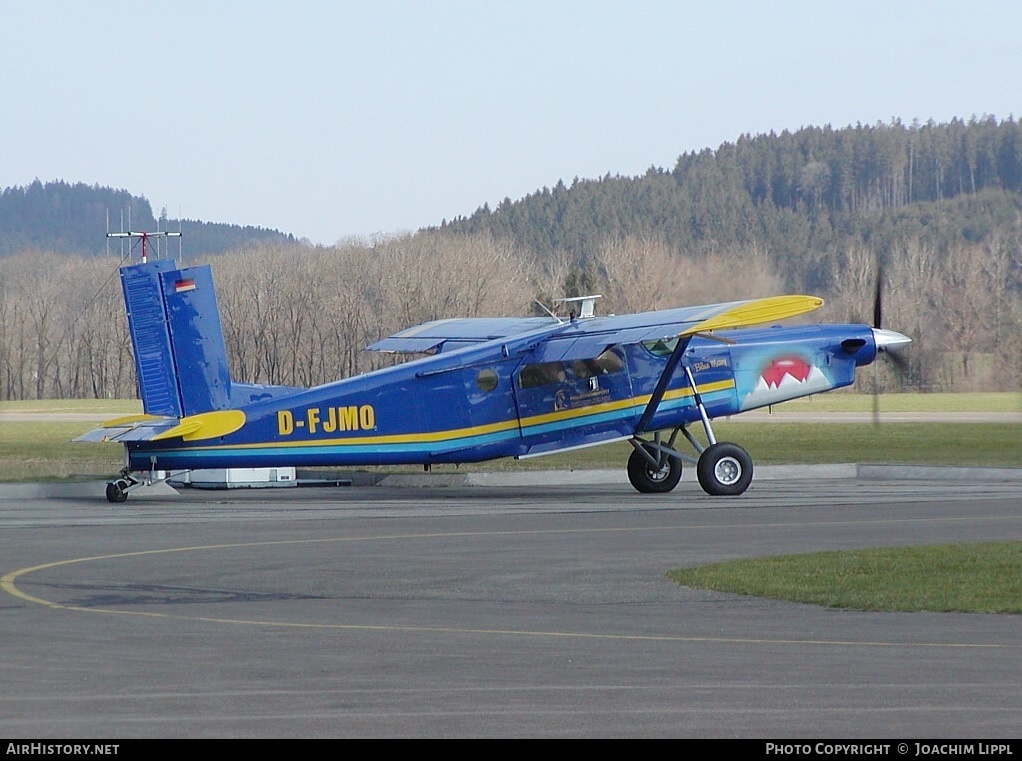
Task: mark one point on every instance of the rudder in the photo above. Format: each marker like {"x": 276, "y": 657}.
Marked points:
{"x": 177, "y": 338}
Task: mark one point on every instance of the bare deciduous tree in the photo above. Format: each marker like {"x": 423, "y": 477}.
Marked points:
{"x": 303, "y": 317}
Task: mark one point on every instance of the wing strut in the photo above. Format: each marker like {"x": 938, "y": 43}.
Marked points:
{"x": 661, "y": 388}
{"x": 662, "y": 383}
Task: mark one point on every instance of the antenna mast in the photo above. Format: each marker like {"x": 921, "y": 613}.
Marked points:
{"x": 145, "y": 238}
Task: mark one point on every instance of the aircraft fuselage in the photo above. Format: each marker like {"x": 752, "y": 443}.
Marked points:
{"x": 485, "y": 402}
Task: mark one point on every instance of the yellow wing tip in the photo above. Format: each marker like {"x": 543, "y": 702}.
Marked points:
{"x": 757, "y": 312}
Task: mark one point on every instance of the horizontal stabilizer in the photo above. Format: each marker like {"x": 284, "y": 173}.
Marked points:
{"x": 131, "y": 428}
{"x": 207, "y": 425}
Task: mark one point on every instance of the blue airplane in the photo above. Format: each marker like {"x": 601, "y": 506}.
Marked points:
{"x": 486, "y": 388}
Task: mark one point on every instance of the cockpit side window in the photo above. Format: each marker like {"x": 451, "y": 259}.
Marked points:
{"x": 662, "y": 347}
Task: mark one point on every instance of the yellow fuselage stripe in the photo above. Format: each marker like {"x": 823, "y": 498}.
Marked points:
{"x": 482, "y": 430}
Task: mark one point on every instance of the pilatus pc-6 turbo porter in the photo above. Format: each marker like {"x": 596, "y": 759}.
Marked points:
{"x": 487, "y": 387}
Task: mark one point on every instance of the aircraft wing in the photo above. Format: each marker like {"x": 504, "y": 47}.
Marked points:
{"x": 586, "y": 338}
{"x": 445, "y": 335}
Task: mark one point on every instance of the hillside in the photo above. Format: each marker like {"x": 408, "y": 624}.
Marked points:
{"x": 72, "y": 219}
{"x": 801, "y": 196}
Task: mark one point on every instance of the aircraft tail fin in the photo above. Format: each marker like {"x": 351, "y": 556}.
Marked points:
{"x": 177, "y": 338}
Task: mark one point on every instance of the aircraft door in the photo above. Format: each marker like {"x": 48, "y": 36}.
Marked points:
{"x": 570, "y": 399}
{"x": 487, "y": 400}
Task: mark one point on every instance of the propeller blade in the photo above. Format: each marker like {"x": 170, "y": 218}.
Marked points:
{"x": 887, "y": 341}
{"x": 876, "y": 398}
{"x": 878, "y": 317}
{"x": 900, "y": 362}
{"x": 878, "y": 298}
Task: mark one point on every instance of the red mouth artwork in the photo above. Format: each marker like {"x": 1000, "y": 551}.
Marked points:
{"x": 776, "y": 370}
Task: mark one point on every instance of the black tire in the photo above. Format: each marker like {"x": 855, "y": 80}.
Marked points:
{"x": 115, "y": 492}
{"x": 724, "y": 470}
{"x": 649, "y": 480}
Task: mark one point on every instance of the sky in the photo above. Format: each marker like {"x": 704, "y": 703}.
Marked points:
{"x": 341, "y": 120}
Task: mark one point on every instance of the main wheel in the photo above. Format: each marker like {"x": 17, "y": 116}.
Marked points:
{"x": 724, "y": 470}
{"x": 652, "y": 480}
{"x": 115, "y": 491}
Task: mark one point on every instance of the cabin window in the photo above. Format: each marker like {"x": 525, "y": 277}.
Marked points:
{"x": 486, "y": 380}
{"x": 541, "y": 374}
{"x": 545, "y": 373}
{"x": 610, "y": 362}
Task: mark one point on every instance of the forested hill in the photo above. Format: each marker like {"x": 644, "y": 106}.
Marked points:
{"x": 72, "y": 219}
{"x": 805, "y": 193}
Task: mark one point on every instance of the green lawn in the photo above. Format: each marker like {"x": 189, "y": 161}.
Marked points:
{"x": 971, "y": 578}
{"x": 44, "y": 450}
{"x": 846, "y": 401}
{"x": 111, "y": 407}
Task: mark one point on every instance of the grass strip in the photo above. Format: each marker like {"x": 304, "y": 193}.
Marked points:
{"x": 967, "y": 578}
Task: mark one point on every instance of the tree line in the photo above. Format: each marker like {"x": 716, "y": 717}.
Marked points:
{"x": 303, "y": 319}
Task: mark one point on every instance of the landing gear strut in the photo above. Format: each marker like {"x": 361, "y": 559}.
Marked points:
{"x": 723, "y": 469}
{"x": 128, "y": 481}
{"x": 653, "y": 472}
{"x": 117, "y": 490}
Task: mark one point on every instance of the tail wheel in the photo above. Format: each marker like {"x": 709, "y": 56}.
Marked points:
{"x": 724, "y": 470}
{"x": 648, "y": 479}
{"x": 115, "y": 491}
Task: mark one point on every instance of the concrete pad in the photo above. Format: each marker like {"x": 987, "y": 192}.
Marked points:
{"x": 937, "y": 473}
{"x": 78, "y": 490}
{"x": 513, "y": 478}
